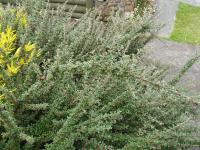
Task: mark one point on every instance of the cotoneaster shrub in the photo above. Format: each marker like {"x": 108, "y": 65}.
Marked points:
{"x": 91, "y": 89}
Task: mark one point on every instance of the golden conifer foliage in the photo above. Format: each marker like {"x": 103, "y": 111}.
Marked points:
{"x": 12, "y": 55}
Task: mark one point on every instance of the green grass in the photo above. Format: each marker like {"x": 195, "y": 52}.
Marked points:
{"x": 187, "y": 25}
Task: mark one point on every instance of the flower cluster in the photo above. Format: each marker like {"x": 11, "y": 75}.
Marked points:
{"x": 14, "y": 55}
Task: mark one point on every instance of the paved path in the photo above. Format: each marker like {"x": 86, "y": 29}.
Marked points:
{"x": 175, "y": 55}
{"x": 166, "y": 14}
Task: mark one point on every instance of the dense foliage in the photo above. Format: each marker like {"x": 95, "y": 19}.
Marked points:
{"x": 15, "y": 53}
{"x": 90, "y": 88}
{"x": 144, "y": 3}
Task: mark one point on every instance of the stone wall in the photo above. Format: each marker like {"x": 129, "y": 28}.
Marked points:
{"x": 109, "y": 6}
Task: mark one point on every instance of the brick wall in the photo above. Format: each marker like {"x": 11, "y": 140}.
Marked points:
{"x": 108, "y": 6}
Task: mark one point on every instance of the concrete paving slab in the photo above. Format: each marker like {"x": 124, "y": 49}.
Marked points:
{"x": 165, "y": 15}
{"x": 175, "y": 56}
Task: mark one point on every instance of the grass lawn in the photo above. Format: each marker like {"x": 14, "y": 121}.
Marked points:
{"x": 187, "y": 25}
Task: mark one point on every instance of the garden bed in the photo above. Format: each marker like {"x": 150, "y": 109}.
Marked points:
{"x": 66, "y": 86}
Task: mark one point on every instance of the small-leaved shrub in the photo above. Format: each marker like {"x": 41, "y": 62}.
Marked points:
{"x": 91, "y": 89}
